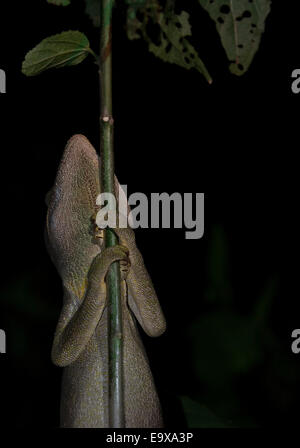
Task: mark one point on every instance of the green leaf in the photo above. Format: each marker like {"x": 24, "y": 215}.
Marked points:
{"x": 92, "y": 9}
{"x": 59, "y": 2}
{"x": 240, "y": 24}
{"x": 133, "y": 24}
{"x": 60, "y": 50}
{"x": 199, "y": 416}
{"x": 174, "y": 47}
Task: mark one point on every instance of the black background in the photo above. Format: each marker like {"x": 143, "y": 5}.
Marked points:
{"x": 235, "y": 140}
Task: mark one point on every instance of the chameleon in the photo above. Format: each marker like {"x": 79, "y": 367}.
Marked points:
{"x": 76, "y": 246}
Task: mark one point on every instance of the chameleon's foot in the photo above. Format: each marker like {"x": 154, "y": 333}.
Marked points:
{"x": 104, "y": 259}
{"x": 126, "y": 235}
{"x": 97, "y": 232}
{"x": 125, "y": 265}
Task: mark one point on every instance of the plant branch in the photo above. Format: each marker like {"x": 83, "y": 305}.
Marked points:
{"x": 116, "y": 408}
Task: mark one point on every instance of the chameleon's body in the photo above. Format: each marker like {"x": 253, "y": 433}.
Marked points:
{"x": 80, "y": 341}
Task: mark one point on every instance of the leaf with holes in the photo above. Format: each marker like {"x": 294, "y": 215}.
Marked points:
{"x": 92, "y": 9}
{"x": 138, "y": 12}
{"x": 59, "y": 2}
{"x": 60, "y": 50}
{"x": 240, "y": 24}
{"x": 174, "y": 46}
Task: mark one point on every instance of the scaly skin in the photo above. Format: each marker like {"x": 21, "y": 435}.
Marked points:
{"x": 80, "y": 341}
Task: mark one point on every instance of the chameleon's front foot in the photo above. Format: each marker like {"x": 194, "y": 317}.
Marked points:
{"x": 105, "y": 258}
{"x": 125, "y": 234}
{"x": 98, "y": 234}
{"x": 72, "y": 337}
{"x": 96, "y": 231}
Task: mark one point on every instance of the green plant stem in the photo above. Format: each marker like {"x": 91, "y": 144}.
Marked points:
{"x": 116, "y": 407}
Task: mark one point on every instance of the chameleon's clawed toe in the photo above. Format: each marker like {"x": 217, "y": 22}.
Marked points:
{"x": 124, "y": 248}
{"x": 124, "y": 269}
{"x": 99, "y": 233}
{"x": 125, "y": 262}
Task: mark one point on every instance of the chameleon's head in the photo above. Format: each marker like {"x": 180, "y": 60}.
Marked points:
{"x": 72, "y": 237}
